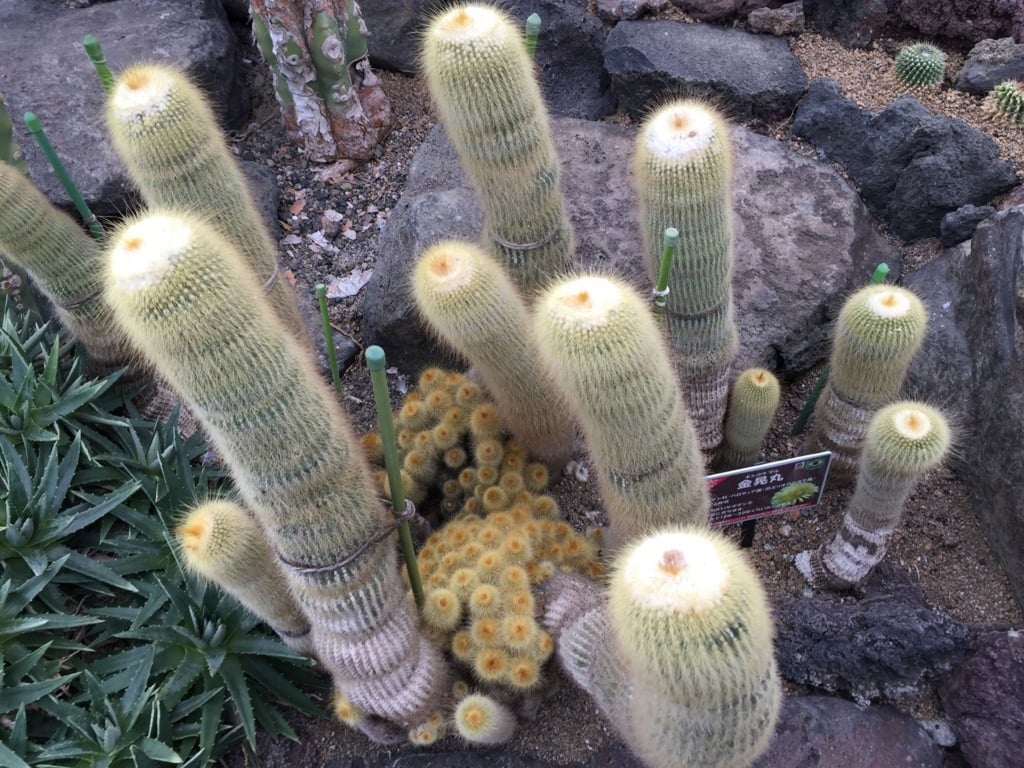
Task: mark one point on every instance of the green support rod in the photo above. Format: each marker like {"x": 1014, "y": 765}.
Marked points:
{"x": 877, "y": 278}
{"x": 377, "y": 364}
{"x": 36, "y": 129}
{"x": 99, "y": 62}
{"x": 325, "y": 319}
{"x": 669, "y": 243}
{"x": 532, "y": 32}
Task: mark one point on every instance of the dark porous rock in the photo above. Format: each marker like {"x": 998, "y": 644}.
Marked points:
{"x": 827, "y": 732}
{"x": 989, "y": 63}
{"x": 967, "y": 20}
{"x": 46, "y": 71}
{"x": 984, "y": 703}
{"x": 803, "y": 239}
{"x": 787, "y": 19}
{"x": 393, "y": 29}
{"x": 717, "y": 10}
{"x": 475, "y": 758}
{"x": 853, "y": 22}
{"x": 959, "y": 225}
{"x": 649, "y": 59}
{"x": 912, "y": 166}
{"x": 972, "y": 365}
{"x": 886, "y": 643}
{"x": 617, "y": 10}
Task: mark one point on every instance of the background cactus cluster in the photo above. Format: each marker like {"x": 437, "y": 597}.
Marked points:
{"x": 1007, "y": 100}
{"x": 920, "y": 65}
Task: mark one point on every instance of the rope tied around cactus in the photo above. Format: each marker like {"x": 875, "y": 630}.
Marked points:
{"x": 83, "y": 301}
{"x": 688, "y": 316}
{"x": 272, "y": 280}
{"x": 409, "y": 513}
{"x": 622, "y": 481}
{"x": 529, "y": 246}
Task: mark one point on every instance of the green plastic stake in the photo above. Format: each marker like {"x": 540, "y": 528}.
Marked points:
{"x": 10, "y": 152}
{"x": 877, "y": 277}
{"x": 325, "y": 319}
{"x": 532, "y": 31}
{"x": 669, "y": 242}
{"x": 36, "y": 129}
{"x": 377, "y": 364}
{"x": 99, "y": 62}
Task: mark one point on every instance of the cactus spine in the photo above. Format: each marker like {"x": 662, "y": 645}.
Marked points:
{"x": 605, "y": 352}
{"x": 65, "y": 265}
{"x": 689, "y": 678}
{"x": 920, "y": 66}
{"x": 186, "y": 298}
{"x": 904, "y": 440}
{"x": 467, "y": 298}
{"x": 165, "y": 133}
{"x": 753, "y": 400}
{"x": 683, "y": 169}
{"x": 223, "y": 544}
{"x": 879, "y": 330}
{"x": 482, "y": 81}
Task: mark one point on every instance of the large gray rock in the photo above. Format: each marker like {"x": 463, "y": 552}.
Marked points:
{"x": 853, "y": 22}
{"x": 46, "y": 71}
{"x": 568, "y": 53}
{"x": 885, "y": 644}
{"x": 972, "y": 364}
{"x": 970, "y": 20}
{"x": 989, "y": 63}
{"x": 649, "y": 61}
{"x": 912, "y": 166}
{"x": 803, "y": 239}
{"x": 984, "y": 704}
{"x": 716, "y": 10}
{"x": 826, "y": 732}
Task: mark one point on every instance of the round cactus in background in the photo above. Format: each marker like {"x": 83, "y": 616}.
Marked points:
{"x": 1008, "y": 100}
{"x": 920, "y": 65}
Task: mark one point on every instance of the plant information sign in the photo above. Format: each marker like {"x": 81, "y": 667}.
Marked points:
{"x": 768, "y": 489}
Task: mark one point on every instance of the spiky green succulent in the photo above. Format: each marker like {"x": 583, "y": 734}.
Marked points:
{"x": 920, "y": 65}
{"x": 1008, "y": 98}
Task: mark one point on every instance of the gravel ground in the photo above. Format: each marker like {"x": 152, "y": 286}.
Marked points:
{"x": 331, "y": 232}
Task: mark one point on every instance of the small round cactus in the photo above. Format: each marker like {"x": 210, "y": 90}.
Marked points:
{"x": 1008, "y": 100}
{"x": 920, "y": 65}
{"x": 480, "y": 719}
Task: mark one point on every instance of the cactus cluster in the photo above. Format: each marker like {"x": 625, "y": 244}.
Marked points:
{"x": 451, "y": 440}
{"x": 482, "y": 82}
{"x": 479, "y": 574}
{"x": 1007, "y": 100}
{"x": 920, "y": 65}
{"x": 903, "y": 441}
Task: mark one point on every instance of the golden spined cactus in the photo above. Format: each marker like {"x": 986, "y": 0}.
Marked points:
{"x": 753, "y": 400}
{"x": 189, "y": 302}
{"x": 481, "y": 719}
{"x": 222, "y": 543}
{"x": 484, "y": 86}
{"x": 468, "y": 300}
{"x": 605, "y": 352}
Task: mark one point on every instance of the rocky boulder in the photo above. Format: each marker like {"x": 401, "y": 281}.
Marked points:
{"x": 912, "y": 167}
{"x": 47, "y": 72}
{"x": 716, "y": 10}
{"x": 649, "y": 59}
{"x": 972, "y": 363}
{"x": 970, "y": 20}
{"x": 855, "y": 23}
{"x": 989, "y": 63}
{"x": 803, "y": 239}
{"x": 787, "y": 19}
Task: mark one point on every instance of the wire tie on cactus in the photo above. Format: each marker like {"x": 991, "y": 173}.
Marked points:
{"x": 529, "y": 246}
{"x": 622, "y": 482}
{"x": 272, "y": 280}
{"x": 383, "y": 533}
{"x": 82, "y": 302}
{"x": 696, "y": 315}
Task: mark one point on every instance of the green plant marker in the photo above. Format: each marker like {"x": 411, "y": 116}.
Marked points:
{"x": 332, "y": 355}
{"x": 669, "y": 242}
{"x": 36, "y": 129}
{"x": 877, "y": 278}
{"x": 99, "y": 62}
{"x": 532, "y": 31}
{"x": 377, "y": 364}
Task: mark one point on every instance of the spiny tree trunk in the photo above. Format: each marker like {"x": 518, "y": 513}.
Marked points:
{"x": 331, "y": 101}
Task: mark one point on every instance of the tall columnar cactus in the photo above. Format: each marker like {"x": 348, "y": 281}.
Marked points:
{"x": 66, "y": 266}
{"x": 753, "y": 400}
{"x": 904, "y": 440}
{"x": 1007, "y": 100}
{"x": 878, "y": 332}
{"x": 920, "y": 65}
{"x": 680, "y": 659}
{"x": 469, "y": 300}
{"x": 483, "y": 83}
{"x": 222, "y": 543}
{"x": 188, "y": 301}
{"x": 683, "y": 169}
{"x": 166, "y": 134}
{"x": 604, "y": 351}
